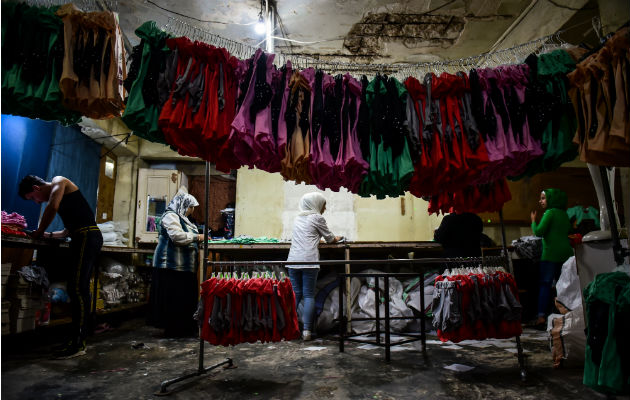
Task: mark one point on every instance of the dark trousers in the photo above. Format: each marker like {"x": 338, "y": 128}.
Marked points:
{"x": 548, "y": 274}
{"x": 85, "y": 248}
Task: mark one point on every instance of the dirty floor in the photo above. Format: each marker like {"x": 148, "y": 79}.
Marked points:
{"x": 129, "y": 362}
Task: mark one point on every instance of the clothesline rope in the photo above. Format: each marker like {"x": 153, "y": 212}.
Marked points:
{"x": 241, "y": 50}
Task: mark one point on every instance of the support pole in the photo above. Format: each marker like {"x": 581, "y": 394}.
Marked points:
{"x": 348, "y": 291}
{"x": 612, "y": 221}
{"x": 508, "y": 259}
{"x": 205, "y": 254}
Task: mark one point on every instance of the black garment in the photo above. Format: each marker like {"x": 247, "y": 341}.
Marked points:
{"x": 363, "y": 126}
{"x": 85, "y": 248}
{"x": 173, "y": 302}
{"x": 460, "y": 235}
{"x": 75, "y": 212}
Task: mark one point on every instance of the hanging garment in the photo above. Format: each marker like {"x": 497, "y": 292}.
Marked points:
{"x": 556, "y": 121}
{"x": 32, "y": 62}
{"x": 476, "y": 305}
{"x": 252, "y": 137}
{"x": 488, "y": 197}
{"x": 94, "y": 66}
{"x": 148, "y": 60}
{"x": 233, "y": 311}
{"x": 295, "y": 164}
{"x": 389, "y": 159}
{"x": 599, "y": 95}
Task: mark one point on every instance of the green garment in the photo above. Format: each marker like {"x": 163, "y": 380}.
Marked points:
{"x": 140, "y": 118}
{"x": 32, "y": 60}
{"x": 554, "y": 228}
{"x": 247, "y": 240}
{"x": 387, "y": 176}
{"x": 581, "y": 213}
{"x": 612, "y": 289}
{"x": 557, "y": 138}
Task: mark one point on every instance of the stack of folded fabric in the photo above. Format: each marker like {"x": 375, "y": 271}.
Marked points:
{"x": 13, "y": 224}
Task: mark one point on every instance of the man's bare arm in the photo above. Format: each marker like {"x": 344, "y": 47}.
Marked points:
{"x": 56, "y": 194}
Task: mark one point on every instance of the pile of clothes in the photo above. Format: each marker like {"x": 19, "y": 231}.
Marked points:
{"x": 13, "y": 224}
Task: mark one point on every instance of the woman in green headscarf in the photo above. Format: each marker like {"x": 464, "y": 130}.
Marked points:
{"x": 554, "y": 229}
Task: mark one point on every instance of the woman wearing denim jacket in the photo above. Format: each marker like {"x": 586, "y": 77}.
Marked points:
{"x": 308, "y": 229}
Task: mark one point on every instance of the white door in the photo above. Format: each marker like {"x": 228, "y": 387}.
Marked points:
{"x": 156, "y": 188}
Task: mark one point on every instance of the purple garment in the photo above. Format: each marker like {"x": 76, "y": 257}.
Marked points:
{"x": 321, "y": 163}
{"x": 496, "y": 147}
{"x": 242, "y": 135}
{"x": 264, "y": 143}
{"x": 355, "y": 167}
{"x": 282, "y": 123}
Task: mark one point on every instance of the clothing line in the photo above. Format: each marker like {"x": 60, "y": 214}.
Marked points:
{"x": 243, "y": 51}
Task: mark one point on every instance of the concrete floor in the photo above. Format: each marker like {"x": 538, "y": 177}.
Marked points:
{"x": 114, "y": 369}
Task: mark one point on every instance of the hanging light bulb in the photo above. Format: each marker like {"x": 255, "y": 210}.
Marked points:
{"x": 260, "y": 25}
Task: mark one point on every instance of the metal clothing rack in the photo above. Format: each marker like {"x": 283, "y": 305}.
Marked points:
{"x": 342, "y": 277}
{"x": 201, "y": 369}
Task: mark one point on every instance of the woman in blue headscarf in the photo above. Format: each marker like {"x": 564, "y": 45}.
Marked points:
{"x": 174, "y": 288}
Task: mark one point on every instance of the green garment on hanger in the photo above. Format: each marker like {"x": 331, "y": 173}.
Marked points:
{"x": 581, "y": 213}
{"x": 142, "y": 119}
{"x": 387, "y": 176}
{"x": 557, "y": 138}
{"x": 608, "y": 376}
{"x": 32, "y": 60}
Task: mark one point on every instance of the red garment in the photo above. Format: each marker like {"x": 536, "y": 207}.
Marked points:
{"x": 8, "y": 230}
{"x": 201, "y": 128}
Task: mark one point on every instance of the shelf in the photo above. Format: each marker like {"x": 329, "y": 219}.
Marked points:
{"x": 114, "y": 249}
{"x": 59, "y": 321}
{"x": 122, "y": 308}
{"x": 16, "y": 241}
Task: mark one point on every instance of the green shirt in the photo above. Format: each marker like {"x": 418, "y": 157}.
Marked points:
{"x": 554, "y": 229}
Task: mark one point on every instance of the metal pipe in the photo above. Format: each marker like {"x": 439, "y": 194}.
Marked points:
{"x": 612, "y": 221}
{"x": 394, "y": 261}
{"x": 205, "y": 254}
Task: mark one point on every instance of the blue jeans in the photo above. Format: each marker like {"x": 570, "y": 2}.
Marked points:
{"x": 548, "y": 273}
{"x": 303, "y": 282}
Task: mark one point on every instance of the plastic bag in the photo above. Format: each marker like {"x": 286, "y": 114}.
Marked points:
{"x": 568, "y": 286}
{"x": 567, "y": 339}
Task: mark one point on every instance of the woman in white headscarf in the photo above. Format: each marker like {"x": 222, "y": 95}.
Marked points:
{"x": 308, "y": 229}
{"x": 174, "y": 289}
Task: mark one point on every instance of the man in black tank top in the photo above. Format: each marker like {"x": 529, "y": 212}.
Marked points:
{"x": 65, "y": 198}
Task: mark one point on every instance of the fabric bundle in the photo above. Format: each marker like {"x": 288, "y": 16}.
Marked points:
{"x": 13, "y": 224}
{"x": 233, "y": 311}
{"x": 476, "y": 305}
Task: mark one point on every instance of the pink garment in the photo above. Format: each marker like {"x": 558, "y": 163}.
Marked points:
{"x": 242, "y": 135}
{"x": 496, "y": 147}
{"x": 264, "y": 143}
{"x": 355, "y": 166}
{"x": 321, "y": 162}
{"x": 13, "y": 219}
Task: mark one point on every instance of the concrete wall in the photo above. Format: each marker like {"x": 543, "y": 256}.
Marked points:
{"x": 266, "y": 206}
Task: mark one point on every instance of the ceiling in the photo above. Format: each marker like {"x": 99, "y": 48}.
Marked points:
{"x": 376, "y": 31}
